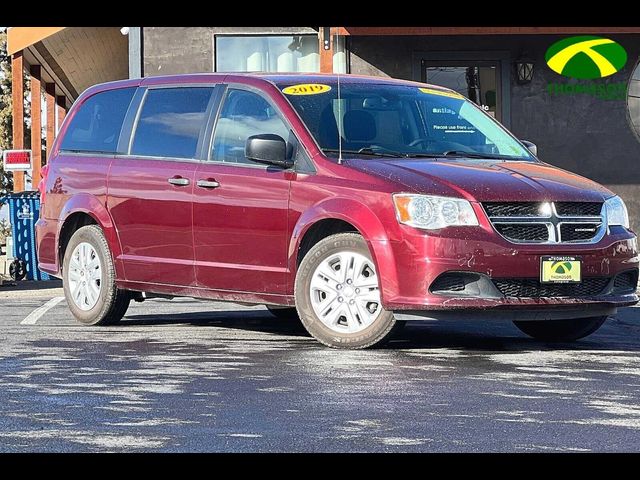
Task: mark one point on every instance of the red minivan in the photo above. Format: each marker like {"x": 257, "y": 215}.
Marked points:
{"x": 356, "y": 203}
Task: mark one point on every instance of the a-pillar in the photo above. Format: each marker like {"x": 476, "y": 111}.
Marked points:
{"x": 36, "y": 125}
{"x": 17, "y": 92}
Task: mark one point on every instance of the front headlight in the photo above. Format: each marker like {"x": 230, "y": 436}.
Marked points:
{"x": 616, "y": 212}
{"x": 432, "y": 212}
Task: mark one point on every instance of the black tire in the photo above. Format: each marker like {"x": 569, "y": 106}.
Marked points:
{"x": 561, "y": 330}
{"x": 375, "y": 334}
{"x": 283, "y": 313}
{"x": 18, "y": 270}
{"x": 112, "y": 303}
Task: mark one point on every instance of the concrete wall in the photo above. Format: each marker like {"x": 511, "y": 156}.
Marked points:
{"x": 580, "y": 133}
{"x": 169, "y": 50}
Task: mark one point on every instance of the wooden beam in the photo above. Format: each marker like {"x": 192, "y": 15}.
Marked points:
{"x": 36, "y": 124}
{"x": 483, "y": 30}
{"x": 17, "y": 99}
{"x": 50, "y": 102}
{"x": 326, "y": 56}
{"x": 19, "y": 38}
{"x": 61, "y": 109}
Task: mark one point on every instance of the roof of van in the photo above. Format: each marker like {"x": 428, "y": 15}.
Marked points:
{"x": 271, "y": 77}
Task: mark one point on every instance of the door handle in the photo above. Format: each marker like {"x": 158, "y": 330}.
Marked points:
{"x": 179, "y": 181}
{"x": 211, "y": 184}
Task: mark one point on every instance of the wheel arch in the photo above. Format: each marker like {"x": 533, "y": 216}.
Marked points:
{"x": 338, "y": 215}
{"x": 82, "y": 210}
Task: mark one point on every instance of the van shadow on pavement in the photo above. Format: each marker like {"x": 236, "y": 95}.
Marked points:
{"x": 462, "y": 335}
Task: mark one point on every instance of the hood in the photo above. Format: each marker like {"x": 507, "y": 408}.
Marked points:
{"x": 485, "y": 180}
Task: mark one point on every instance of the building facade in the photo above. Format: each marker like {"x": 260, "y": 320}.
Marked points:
{"x": 590, "y": 126}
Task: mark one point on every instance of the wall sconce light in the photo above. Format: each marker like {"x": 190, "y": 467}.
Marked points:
{"x": 326, "y": 35}
{"x": 524, "y": 69}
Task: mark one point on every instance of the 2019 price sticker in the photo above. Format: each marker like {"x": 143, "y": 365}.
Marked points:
{"x": 306, "y": 89}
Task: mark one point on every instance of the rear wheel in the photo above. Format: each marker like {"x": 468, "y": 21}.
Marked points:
{"x": 338, "y": 294}
{"x": 89, "y": 279}
{"x": 561, "y": 330}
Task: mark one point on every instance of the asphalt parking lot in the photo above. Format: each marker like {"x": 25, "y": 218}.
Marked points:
{"x": 188, "y": 375}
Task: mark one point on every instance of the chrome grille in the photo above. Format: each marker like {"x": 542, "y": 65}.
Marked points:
{"x": 575, "y": 232}
{"x": 547, "y": 222}
{"x": 579, "y": 209}
{"x": 512, "y": 209}
{"x": 524, "y": 232}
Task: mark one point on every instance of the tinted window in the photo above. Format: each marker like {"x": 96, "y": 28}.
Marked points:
{"x": 96, "y": 125}
{"x": 373, "y": 119}
{"x": 170, "y": 122}
{"x": 244, "y": 114}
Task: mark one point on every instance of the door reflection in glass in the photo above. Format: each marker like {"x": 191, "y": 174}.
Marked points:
{"x": 478, "y": 83}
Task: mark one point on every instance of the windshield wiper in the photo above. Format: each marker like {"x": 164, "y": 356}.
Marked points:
{"x": 464, "y": 153}
{"x": 367, "y": 151}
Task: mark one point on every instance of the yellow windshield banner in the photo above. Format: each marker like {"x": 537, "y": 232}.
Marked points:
{"x": 444, "y": 93}
{"x": 306, "y": 89}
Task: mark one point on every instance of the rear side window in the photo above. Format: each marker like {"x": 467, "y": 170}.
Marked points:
{"x": 96, "y": 125}
{"x": 171, "y": 122}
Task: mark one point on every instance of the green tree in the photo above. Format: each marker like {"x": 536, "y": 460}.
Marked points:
{"x": 5, "y": 110}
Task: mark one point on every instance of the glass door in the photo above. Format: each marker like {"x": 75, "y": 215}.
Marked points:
{"x": 479, "y": 81}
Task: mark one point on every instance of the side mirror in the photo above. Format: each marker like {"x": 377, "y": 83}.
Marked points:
{"x": 268, "y": 148}
{"x": 530, "y": 146}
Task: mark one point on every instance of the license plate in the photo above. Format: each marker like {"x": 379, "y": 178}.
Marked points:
{"x": 560, "y": 270}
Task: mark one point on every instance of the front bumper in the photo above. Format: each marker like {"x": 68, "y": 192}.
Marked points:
{"x": 420, "y": 258}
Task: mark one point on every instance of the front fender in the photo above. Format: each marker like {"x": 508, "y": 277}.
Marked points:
{"x": 91, "y": 205}
{"x": 368, "y": 225}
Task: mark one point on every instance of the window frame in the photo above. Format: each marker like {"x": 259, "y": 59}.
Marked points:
{"x": 223, "y": 98}
{"x": 118, "y": 143}
{"x": 131, "y": 122}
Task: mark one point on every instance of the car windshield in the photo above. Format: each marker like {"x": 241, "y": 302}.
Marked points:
{"x": 387, "y": 120}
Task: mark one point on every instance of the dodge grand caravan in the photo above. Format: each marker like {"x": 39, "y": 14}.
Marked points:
{"x": 356, "y": 203}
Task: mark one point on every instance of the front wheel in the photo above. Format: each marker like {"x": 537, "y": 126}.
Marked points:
{"x": 338, "y": 294}
{"x": 89, "y": 279}
{"x": 561, "y": 330}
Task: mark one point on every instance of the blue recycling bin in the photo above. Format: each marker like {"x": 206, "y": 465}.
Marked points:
{"x": 24, "y": 211}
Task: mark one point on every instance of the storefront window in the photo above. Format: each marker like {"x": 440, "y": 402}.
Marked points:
{"x": 291, "y": 53}
{"x": 634, "y": 99}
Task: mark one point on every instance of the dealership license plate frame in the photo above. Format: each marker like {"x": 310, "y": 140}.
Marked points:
{"x": 573, "y": 260}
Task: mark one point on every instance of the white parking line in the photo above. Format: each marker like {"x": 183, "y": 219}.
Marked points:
{"x": 34, "y": 316}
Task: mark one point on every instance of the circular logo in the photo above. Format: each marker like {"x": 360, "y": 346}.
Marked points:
{"x": 561, "y": 267}
{"x": 586, "y": 57}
